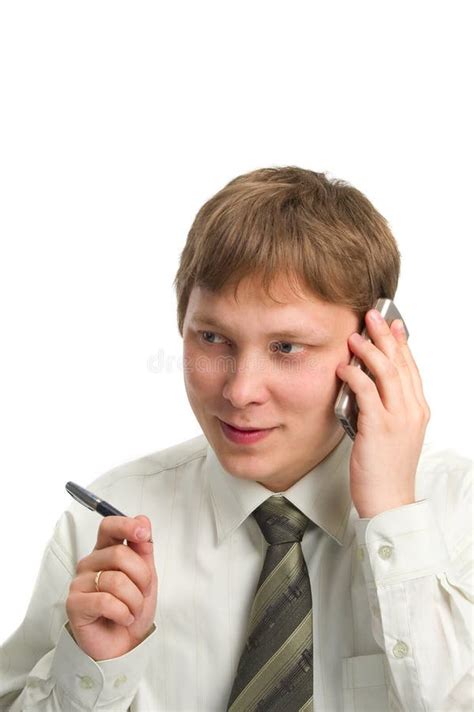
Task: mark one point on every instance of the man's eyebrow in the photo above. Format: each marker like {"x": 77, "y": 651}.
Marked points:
{"x": 290, "y": 333}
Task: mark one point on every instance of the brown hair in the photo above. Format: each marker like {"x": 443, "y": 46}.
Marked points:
{"x": 323, "y": 233}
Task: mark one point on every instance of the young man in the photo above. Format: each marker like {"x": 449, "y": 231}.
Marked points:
{"x": 290, "y": 568}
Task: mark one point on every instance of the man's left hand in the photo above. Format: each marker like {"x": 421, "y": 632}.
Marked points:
{"x": 392, "y": 419}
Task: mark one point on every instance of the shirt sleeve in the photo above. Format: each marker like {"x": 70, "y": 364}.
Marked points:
{"x": 417, "y": 567}
{"x": 41, "y": 666}
{"x": 87, "y": 684}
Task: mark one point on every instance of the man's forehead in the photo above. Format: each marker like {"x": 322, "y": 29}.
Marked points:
{"x": 292, "y": 315}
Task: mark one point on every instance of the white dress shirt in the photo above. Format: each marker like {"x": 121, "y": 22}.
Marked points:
{"x": 392, "y": 595}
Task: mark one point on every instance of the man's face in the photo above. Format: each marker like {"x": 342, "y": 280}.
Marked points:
{"x": 244, "y": 366}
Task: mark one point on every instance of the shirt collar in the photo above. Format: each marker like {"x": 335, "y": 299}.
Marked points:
{"x": 323, "y": 494}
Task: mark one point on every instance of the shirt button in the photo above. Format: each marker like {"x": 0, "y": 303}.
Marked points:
{"x": 360, "y": 553}
{"x": 86, "y": 682}
{"x": 385, "y": 552}
{"x": 120, "y": 680}
{"x": 400, "y": 649}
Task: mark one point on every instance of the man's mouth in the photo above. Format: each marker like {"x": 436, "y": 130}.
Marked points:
{"x": 245, "y": 428}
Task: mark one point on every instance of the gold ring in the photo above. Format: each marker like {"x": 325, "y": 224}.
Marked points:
{"x": 97, "y": 581}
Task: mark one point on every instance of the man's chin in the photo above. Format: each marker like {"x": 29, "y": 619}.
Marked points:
{"x": 244, "y": 465}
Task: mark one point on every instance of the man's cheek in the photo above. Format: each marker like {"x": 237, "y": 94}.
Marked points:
{"x": 319, "y": 374}
{"x": 312, "y": 389}
{"x": 321, "y": 385}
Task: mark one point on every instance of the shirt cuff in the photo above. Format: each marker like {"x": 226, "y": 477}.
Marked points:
{"x": 401, "y": 544}
{"x": 88, "y": 682}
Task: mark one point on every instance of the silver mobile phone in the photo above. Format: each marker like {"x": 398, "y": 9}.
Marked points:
{"x": 346, "y": 408}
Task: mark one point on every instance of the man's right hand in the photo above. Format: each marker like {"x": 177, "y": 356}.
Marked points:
{"x": 112, "y": 622}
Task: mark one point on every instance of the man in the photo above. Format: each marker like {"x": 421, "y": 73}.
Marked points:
{"x": 286, "y": 567}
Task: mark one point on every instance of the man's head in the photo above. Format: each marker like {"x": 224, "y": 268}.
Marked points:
{"x": 277, "y": 251}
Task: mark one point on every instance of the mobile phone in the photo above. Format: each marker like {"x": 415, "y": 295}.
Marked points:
{"x": 345, "y": 408}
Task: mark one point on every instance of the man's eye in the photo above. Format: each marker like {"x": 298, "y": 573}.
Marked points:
{"x": 209, "y": 337}
{"x": 205, "y": 334}
{"x": 285, "y": 344}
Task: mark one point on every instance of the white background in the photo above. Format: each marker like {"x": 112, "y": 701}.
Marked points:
{"x": 118, "y": 121}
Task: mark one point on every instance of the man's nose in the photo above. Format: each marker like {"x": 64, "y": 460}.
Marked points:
{"x": 245, "y": 382}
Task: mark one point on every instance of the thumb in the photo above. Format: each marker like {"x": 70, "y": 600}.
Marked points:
{"x": 144, "y": 548}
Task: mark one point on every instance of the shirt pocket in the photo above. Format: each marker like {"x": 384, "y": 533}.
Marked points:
{"x": 365, "y": 683}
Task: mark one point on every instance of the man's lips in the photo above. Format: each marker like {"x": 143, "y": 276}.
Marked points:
{"x": 242, "y": 428}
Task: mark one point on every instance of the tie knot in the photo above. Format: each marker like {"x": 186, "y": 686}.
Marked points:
{"x": 280, "y": 521}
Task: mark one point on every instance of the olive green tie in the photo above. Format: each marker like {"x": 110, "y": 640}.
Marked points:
{"x": 275, "y": 672}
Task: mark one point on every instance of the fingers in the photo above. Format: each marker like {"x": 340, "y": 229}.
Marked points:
{"x": 116, "y": 529}
{"x": 118, "y": 559}
{"x": 114, "y": 584}
{"x": 389, "y": 360}
{"x": 400, "y": 335}
{"x": 383, "y": 369}
{"x": 144, "y": 548}
{"x": 127, "y": 577}
{"x": 84, "y": 608}
{"x": 365, "y": 390}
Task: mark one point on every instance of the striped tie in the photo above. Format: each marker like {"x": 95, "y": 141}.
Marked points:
{"x": 275, "y": 672}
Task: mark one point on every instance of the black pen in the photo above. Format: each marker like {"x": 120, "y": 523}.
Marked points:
{"x": 91, "y": 501}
